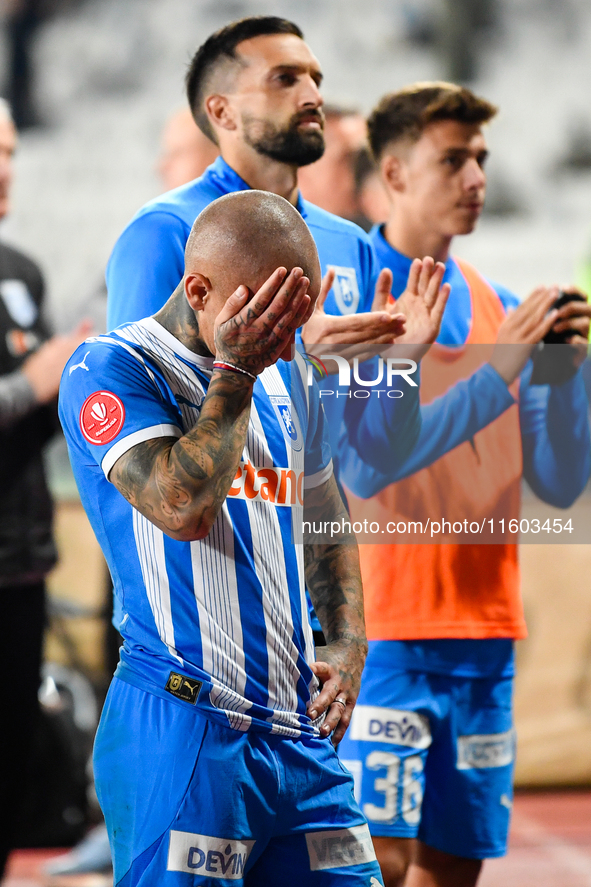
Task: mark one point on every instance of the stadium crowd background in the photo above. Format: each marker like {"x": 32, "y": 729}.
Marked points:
{"x": 108, "y": 73}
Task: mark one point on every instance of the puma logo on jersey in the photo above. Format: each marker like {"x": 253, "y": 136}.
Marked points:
{"x": 81, "y": 365}
{"x": 183, "y": 687}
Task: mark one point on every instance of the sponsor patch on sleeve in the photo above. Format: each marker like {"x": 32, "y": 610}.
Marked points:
{"x": 101, "y": 417}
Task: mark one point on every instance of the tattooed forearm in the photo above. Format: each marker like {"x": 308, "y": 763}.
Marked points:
{"x": 180, "y": 484}
{"x": 332, "y": 571}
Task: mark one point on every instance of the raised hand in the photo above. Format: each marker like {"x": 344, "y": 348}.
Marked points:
{"x": 422, "y": 302}
{"x": 522, "y": 329}
{"x": 380, "y": 326}
{"x": 254, "y": 334}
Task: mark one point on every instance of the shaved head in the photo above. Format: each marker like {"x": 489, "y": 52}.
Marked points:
{"x": 243, "y": 237}
{"x": 241, "y": 240}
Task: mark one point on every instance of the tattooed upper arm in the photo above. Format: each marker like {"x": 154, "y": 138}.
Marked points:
{"x": 145, "y": 477}
{"x": 180, "y": 484}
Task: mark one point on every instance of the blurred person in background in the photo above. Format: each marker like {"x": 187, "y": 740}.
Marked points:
{"x": 371, "y": 196}
{"x": 31, "y": 363}
{"x": 185, "y": 152}
{"x": 21, "y": 21}
{"x": 431, "y": 739}
{"x": 184, "y": 155}
{"x": 330, "y": 181}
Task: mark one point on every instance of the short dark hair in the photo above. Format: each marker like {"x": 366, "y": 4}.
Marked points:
{"x": 337, "y": 112}
{"x": 222, "y": 46}
{"x": 405, "y": 114}
{"x": 364, "y": 166}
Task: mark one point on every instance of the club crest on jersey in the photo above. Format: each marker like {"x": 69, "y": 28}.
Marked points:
{"x": 288, "y": 420}
{"x": 19, "y": 302}
{"x": 346, "y": 289}
{"x": 183, "y": 688}
{"x": 101, "y": 417}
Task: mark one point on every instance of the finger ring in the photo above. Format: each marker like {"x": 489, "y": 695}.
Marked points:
{"x": 342, "y": 702}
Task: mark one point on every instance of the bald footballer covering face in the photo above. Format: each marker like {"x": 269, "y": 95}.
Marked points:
{"x": 194, "y": 440}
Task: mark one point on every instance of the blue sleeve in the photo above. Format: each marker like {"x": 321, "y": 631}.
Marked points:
{"x": 318, "y": 456}
{"x": 555, "y": 438}
{"x": 448, "y": 421}
{"x": 508, "y": 299}
{"x": 145, "y": 267}
{"x": 115, "y": 383}
{"x": 380, "y": 429}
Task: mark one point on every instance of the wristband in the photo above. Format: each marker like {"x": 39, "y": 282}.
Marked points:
{"x": 221, "y": 365}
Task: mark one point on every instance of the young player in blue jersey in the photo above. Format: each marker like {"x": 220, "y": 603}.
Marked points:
{"x": 431, "y": 742}
{"x": 193, "y": 441}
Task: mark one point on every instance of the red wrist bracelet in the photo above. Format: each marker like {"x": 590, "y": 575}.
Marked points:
{"x": 220, "y": 365}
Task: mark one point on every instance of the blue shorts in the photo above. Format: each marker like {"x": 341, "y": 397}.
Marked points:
{"x": 432, "y": 757}
{"x": 190, "y": 802}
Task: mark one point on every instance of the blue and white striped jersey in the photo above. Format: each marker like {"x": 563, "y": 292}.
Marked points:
{"x": 229, "y": 611}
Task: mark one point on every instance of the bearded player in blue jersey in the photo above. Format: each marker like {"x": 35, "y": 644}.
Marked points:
{"x": 254, "y": 89}
{"x": 192, "y": 442}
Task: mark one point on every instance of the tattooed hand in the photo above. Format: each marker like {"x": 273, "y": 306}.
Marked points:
{"x": 339, "y": 671}
{"x": 254, "y": 335}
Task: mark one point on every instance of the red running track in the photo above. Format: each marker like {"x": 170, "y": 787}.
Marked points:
{"x": 550, "y": 847}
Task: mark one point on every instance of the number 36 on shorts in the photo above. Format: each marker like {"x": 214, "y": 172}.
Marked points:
{"x": 389, "y": 784}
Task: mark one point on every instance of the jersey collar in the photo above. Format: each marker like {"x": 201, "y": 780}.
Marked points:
{"x": 156, "y": 329}
{"x": 397, "y": 262}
